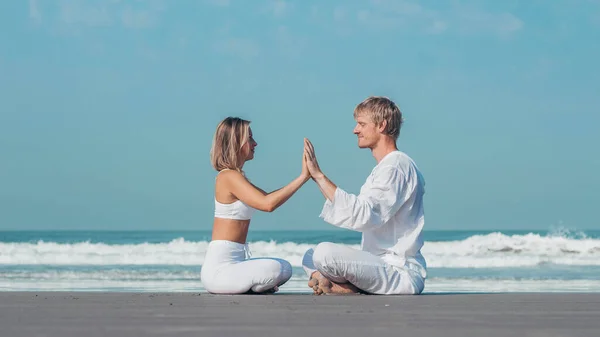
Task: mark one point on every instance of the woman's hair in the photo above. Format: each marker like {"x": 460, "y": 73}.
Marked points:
{"x": 231, "y": 135}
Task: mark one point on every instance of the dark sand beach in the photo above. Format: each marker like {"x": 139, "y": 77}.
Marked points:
{"x": 199, "y": 314}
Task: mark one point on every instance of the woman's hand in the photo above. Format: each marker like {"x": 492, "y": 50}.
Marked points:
{"x": 305, "y": 174}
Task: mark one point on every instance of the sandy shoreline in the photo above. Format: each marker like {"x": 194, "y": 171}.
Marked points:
{"x": 201, "y": 314}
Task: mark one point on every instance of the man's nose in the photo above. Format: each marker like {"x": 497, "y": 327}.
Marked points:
{"x": 355, "y": 131}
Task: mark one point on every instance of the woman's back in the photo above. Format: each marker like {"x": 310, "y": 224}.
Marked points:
{"x": 232, "y": 216}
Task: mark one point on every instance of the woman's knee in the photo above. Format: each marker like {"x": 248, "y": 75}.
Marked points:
{"x": 257, "y": 274}
{"x": 285, "y": 271}
{"x": 225, "y": 283}
{"x": 276, "y": 271}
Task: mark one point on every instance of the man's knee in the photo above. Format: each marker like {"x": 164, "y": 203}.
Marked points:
{"x": 324, "y": 253}
{"x": 308, "y": 254}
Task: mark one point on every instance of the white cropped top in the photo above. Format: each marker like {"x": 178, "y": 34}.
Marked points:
{"x": 236, "y": 210}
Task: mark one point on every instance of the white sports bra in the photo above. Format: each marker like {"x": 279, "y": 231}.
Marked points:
{"x": 236, "y": 210}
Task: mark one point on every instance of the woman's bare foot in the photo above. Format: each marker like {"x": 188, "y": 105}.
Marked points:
{"x": 321, "y": 285}
{"x": 266, "y": 292}
{"x": 271, "y": 291}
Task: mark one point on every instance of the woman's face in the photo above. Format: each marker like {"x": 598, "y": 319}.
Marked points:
{"x": 248, "y": 148}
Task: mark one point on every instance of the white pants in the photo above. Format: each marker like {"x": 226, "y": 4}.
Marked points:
{"x": 227, "y": 269}
{"x": 367, "y": 272}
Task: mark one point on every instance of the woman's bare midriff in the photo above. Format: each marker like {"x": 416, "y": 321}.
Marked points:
{"x": 230, "y": 230}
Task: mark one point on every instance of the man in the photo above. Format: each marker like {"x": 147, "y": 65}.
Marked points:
{"x": 388, "y": 211}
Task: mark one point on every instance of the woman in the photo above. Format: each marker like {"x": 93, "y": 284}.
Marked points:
{"x": 227, "y": 268}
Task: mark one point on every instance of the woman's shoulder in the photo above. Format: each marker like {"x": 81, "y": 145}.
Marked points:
{"x": 230, "y": 174}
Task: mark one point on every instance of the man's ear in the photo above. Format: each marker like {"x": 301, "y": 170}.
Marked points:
{"x": 382, "y": 126}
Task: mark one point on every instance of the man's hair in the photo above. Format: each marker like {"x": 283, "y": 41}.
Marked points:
{"x": 231, "y": 135}
{"x": 381, "y": 109}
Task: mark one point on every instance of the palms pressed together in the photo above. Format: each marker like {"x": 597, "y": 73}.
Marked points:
{"x": 311, "y": 159}
{"x": 319, "y": 283}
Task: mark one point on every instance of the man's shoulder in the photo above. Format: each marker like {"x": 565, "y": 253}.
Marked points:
{"x": 399, "y": 160}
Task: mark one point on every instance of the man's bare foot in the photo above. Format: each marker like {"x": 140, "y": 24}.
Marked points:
{"x": 319, "y": 283}
{"x": 322, "y": 285}
{"x": 343, "y": 288}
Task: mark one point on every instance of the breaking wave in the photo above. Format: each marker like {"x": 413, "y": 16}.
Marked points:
{"x": 478, "y": 251}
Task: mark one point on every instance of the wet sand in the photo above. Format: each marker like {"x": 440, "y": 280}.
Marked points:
{"x": 67, "y": 314}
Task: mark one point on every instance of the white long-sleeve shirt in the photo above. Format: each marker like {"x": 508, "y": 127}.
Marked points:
{"x": 388, "y": 211}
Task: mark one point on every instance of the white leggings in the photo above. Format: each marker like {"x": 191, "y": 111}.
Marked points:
{"x": 368, "y": 272}
{"x": 227, "y": 269}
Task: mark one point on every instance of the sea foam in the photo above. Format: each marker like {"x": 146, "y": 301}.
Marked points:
{"x": 478, "y": 251}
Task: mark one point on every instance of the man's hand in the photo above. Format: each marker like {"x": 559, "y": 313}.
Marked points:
{"x": 311, "y": 160}
{"x": 325, "y": 185}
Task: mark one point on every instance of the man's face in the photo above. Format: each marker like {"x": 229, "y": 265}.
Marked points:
{"x": 367, "y": 132}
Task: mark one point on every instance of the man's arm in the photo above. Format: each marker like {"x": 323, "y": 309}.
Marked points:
{"x": 326, "y": 186}
{"x": 370, "y": 209}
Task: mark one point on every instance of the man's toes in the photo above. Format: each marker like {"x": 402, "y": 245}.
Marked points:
{"x": 320, "y": 284}
{"x": 314, "y": 284}
{"x": 325, "y": 283}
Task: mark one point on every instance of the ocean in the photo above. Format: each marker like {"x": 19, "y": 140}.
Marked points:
{"x": 170, "y": 261}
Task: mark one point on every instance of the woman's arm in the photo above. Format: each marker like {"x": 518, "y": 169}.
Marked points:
{"x": 256, "y": 198}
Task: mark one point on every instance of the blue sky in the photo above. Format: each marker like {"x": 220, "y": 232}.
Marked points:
{"x": 107, "y": 108}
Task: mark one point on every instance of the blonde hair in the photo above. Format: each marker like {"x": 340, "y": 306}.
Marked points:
{"x": 231, "y": 135}
{"x": 381, "y": 109}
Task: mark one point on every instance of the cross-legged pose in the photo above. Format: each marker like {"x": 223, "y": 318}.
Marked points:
{"x": 227, "y": 267}
{"x": 388, "y": 212}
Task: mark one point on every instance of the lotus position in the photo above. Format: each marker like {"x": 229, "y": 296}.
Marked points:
{"x": 227, "y": 267}
{"x": 388, "y": 212}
